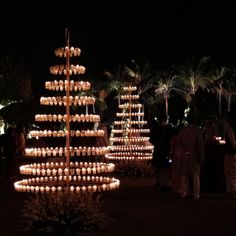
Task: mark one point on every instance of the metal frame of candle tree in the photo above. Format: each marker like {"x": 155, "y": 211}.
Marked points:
{"x": 66, "y": 175}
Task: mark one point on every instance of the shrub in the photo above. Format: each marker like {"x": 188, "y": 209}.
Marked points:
{"x": 64, "y": 213}
{"x": 134, "y": 168}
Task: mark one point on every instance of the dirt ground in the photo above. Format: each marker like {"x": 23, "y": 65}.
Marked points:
{"x": 137, "y": 208}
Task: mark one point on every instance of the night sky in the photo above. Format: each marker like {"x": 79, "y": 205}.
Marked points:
{"x": 109, "y": 34}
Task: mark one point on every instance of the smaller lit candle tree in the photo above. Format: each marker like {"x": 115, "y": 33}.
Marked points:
{"x": 129, "y": 140}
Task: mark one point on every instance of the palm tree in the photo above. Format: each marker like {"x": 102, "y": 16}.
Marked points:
{"x": 141, "y": 77}
{"x": 15, "y": 90}
{"x": 165, "y": 86}
{"x": 116, "y": 81}
{"x": 15, "y": 82}
{"x": 228, "y": 93}
{"x": 131, "y": 75}
{"x": 217, "y": 77}
{"x": 194, "y": 74}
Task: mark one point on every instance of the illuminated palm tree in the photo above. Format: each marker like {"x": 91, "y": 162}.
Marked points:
{"x": 217, "y": 77}
{"x": 131, "y": 75}
{"x": 141, "y": 77}
{"x": 194, "y": 74}
{"x": 228, "y": 93}
{"x": 116, "y": 81}
{"x": 165, "y": 85}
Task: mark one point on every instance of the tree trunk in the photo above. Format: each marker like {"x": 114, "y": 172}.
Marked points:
{"x": 167, "y": 109}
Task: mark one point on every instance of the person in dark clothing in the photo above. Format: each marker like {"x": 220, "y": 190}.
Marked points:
{"x": 191, "y": 146}
{"x": 10, "y": 151}
{"x": 160, "y": 138}
{"x": 230, "y": 156}
{"x": 20, "y": 141}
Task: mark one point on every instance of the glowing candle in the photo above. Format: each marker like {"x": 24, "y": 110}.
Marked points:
{"x": 60, "y": 152}
{"x": 94, "y": 170}
{"x": 104, "y": 187}
{"x": 41, "y": 189}
{"x": 36, "y": 189}
{"x": 83, "y": 171}
{"x": 38, "y": 171}
{"x": 94, "y": 188}
{"x": 59, "y": 171}
{"x": 43, "y": 172}
{"x": 48, "y": 172}
{"x": 66, "y": 171}
{"x": 89, "y": 170}
{"x": 54, "y": 172}
{"x": 59, "y": 188}
{"x": 47, "y": 189}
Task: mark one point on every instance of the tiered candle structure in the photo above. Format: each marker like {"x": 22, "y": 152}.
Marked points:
{"x": 128, "y": 138}
{"x": 68, "y": 165}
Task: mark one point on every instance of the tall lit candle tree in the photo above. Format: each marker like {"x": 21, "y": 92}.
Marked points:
{"x": 71, "y": 167}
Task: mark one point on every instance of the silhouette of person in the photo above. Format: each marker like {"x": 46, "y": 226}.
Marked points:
{"x": 10, "y": 150}
{"x": 191, "y": 145}
{"x": 20, "y": 141}
{"x": 230, "y": 156}
{"x": 160, "y": 138}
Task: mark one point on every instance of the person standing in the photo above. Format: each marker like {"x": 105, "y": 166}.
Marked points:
{"x": 191, "y": 145}
{"x": 20, "y": 141}
{"x": 160, "y": 137}
{"x": 102, "y": 141}
{"x": 10, "y": 151}
{"x": 230, "y": 157}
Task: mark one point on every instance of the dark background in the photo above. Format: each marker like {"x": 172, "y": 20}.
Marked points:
{"x": 113, "y": 32}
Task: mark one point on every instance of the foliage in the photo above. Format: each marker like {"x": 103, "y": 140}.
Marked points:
{"x": 15, "y": 91}
{"x": 15, "y": 82}
{"x": 64, "y": 213}
{"x": 194, "y": 73}
{"x": 229, "y": 93}
{"x": 134, "y": 168}
{"x": 131, "y": 75}
{"x": 165, "y": 86}
{"x": 19, "y": 113}
{"x": 116, "y": 80}
{"x": 223, "y": 85}
{"x": 140, "y": 76}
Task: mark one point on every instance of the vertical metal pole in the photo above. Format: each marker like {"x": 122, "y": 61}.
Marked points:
{"x": 220, "y": 94}
{"x": 68, "y": 108}
{"x": 167, "y": 109}
{"x": 130, "y": 110}
{"x": 130, "y": 118}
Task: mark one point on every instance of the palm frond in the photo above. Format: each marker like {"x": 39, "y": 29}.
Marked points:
{"x": 130, "y": 72}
